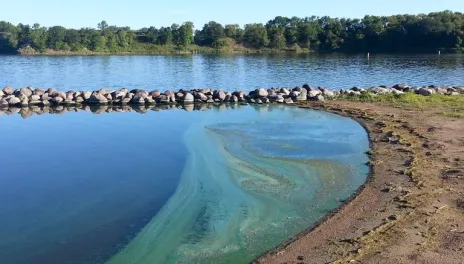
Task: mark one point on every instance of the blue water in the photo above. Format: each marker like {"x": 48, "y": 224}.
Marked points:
{"x": 217, "y": 186}
{"x": 230, "y": 72}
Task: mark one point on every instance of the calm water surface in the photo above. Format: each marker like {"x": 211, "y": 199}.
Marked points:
{"x": 217, "y": 186}
{"x": 229, "y": 72}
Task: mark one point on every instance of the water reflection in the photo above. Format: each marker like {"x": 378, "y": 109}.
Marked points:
{"x": 27, "y": 112}
{"x": 230, "y": 72}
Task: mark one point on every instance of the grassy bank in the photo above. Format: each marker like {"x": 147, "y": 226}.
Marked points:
{"x": 451, "y": 106}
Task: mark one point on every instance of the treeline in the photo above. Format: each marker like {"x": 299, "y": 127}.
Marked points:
{"x": 424, "y": 32}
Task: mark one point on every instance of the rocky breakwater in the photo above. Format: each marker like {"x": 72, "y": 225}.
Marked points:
{"x": 24, "y": 97}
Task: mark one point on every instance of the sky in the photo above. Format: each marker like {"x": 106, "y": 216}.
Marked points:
{"x": 144, "y": 13}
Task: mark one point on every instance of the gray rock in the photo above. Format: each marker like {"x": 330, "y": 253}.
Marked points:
{"x": 45, "y": 102}
{"x": 328, "y": 93}
{"x": 44, "y": 96}
{"x": 57, "y": 100}
{"x": 218, "y": 94}
{"x": 86, "y": 95}
{"x": 26, "y": 91}
{"x": 125, "y": 100}
{"x": 441, "y": 90}
{"x": 261, "y": 93}
{"x": 38, "y": 91}
{"x": 234, "y": 99}
{"x": 259, "y": 101}
{"x": 155, "y": 94}
{"x": 312, "y": 94}
{"x": 380, "y": 90}
{"x": 150, "y": 100}
{"x": 1, "y": 94}
{"x": 280, "y": 99}
{"x": 119, "y": 95}
{"x": 35, "y": 98}
{"x": 59, "y": 94}
{"x": 425, "y": 91}
{"x": 14, "y": 101}
{"x": 285, "y": 91}
{"x": 97, "y": 98}
{"x": 79, "y": 99}
{"x": 138, "y": 100}
{"x": 104, "y": 91}
{"x": 201, "y": 96}
{"x": 252, "y": 101}
{"x": 4, "y": 103}
{"x": 163, "y": 99}
{"x": 109, "y": 97}
{"x": 8, "y": 90}
{"x": 70, "y": 96}
{"x": 188, "y": 98}
{"x": 288, "y": 101}
{"x": 320, "y": 98}
{"x": 303, "y": 96}
{"x": 69, "y": 102}
{"x": 395, "y": 91}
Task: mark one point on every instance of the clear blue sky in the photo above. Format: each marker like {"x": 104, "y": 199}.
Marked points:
{"x": 144, "y": 13}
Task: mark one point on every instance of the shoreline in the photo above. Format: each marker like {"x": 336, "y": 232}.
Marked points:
{"x": 334, "y": 212}
{"x": 375, "y": 224}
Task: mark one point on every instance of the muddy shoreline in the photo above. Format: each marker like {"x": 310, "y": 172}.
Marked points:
{"x": 407, "y": 210}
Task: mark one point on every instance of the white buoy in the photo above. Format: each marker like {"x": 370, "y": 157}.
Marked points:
{"x": 439, "y": 52}
{"x": 368, "y": 55}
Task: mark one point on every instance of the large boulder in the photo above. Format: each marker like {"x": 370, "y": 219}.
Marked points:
{"x": 23, "y": 91}
{"x": 188, "y": 98}
{"x": 97, "y": 98}
{"x": 57, "y": 100}
{"x": 280, "y": 99}
{"x": 303, "y": 96}
{"x": 201, "y": 96}
{"x": 425, "y": 91}
{"x": 8, "y": 90}
{"x": 59, "y": 94}
{"x": 50, "y": 91}
{"x": 14, "y": 101}
{"x": 38, "y": 91}
{"x": 315, "y": 93}
{"x": 380, "y": 90}
{"x": 218, "y": 94}
{"x": 86, "y": 95}
{"x": 288, "y": 101}
{"x": 4, "y": 103}
{"x": 155, "y": 94}
{"x": 104, "y": 91}
{"x": 261, "y": 93}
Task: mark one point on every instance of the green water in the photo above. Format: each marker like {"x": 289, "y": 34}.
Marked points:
{"x": 251, "y": 182}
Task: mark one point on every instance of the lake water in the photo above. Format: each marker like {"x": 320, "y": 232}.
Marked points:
{"x": 229, "y": 72}
{"x": 216, "y": 186}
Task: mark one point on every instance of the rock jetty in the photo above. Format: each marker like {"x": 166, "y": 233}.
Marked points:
{"x": 23, "y": 97}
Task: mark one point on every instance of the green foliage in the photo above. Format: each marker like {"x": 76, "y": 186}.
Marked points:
{"x": 439, "y": 30}
{"x": 210, "y": 34}
{"x": 255, "y": 36}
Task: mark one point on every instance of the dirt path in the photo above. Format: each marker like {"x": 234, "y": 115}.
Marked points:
{"x": 411, "y": 210}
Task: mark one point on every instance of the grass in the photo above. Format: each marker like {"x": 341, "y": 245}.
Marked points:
{"x": 451, "y": 106}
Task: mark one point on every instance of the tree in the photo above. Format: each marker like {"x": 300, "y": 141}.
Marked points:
{"x": 185, "y": 34}
{"x": 56, "y": 36}
{"x": 255, "y": 36}
{"x": 210, "y": 33}
{"x": 102, "y": 25}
